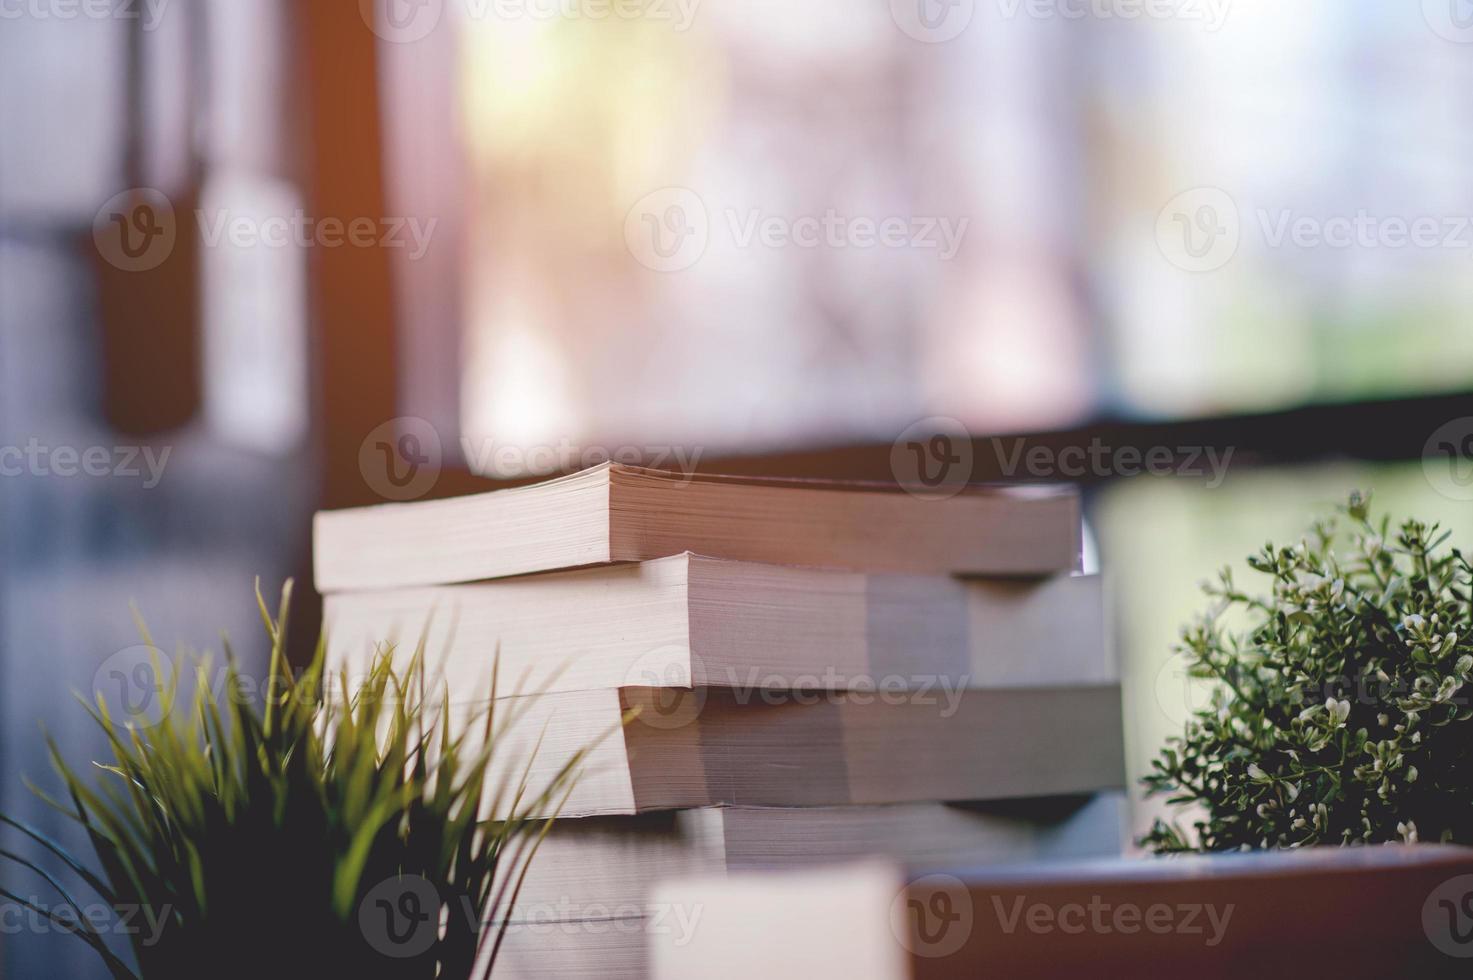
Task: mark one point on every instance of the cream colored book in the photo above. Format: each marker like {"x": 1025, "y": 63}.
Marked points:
{"x": 608, "y": 867}
{"x": 688, "y": 621}
{"x": 718, "y": 746}
{"x": 618, "y": 513}
{"x": 589, "y": 905}
{"x": 1355, "y": 913}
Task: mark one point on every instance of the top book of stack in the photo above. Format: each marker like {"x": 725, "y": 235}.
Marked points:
{"x": 617, "y": 513}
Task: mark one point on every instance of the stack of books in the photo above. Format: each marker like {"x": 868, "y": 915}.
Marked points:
{"x": 821, "y": 672}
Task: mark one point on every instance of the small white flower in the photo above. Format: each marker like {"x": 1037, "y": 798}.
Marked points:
{"x": 1413, "y": 622}
{"x": 1256, "y": 773}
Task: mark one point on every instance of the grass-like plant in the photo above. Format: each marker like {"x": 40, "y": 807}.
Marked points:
{"x": 1339, "y": 713}
{"x": 336, "y": 830}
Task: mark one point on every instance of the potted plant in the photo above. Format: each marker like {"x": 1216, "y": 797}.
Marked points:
{"x": 1340, "y": 713}
{"x": 334, "y": 830}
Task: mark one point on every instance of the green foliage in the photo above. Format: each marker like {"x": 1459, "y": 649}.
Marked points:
{"x": 1338, "y": 715}
{"x": 281, "y": 842}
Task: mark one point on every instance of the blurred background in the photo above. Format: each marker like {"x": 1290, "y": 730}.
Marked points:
{"x": 1208, "y": 258}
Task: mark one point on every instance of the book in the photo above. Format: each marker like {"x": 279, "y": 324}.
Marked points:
{"x": 587, "y": 907}
{"x": 609, "y": 867}
{"x": 688, "y": 621}
{"x": 1391, "y": 911}
{"x": 718, "y": 746}
{"x": 614, "y": 513}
